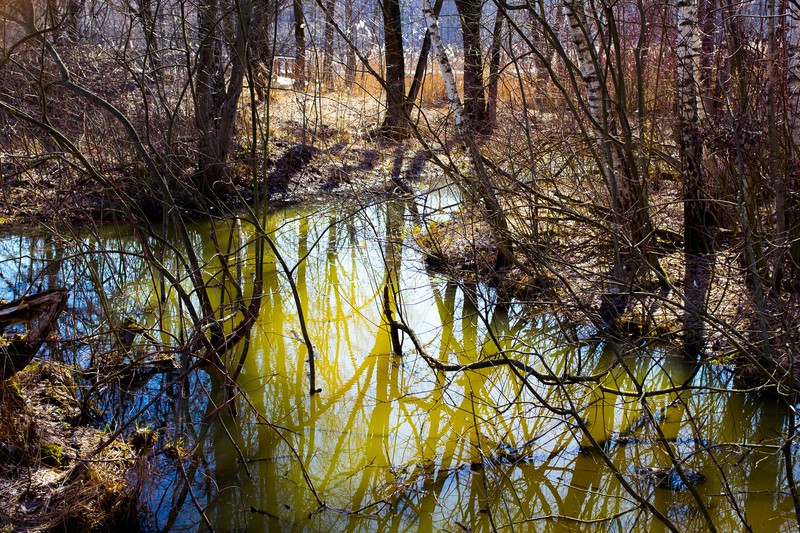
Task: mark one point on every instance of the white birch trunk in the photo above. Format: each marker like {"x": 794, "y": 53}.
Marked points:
{"x": 688, "y": 52}
{"x": 622, "y": 199}
{"x": 481, "y": 191}
{"x": 627, "y": 202}
{"x": 695, "y": 204}
{"x": 444, "y": 65}
{"x": 586, "y": 54}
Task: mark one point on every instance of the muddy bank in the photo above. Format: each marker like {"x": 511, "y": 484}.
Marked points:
{"x": 300, "y": 162}
{"x": 51, "y": 477}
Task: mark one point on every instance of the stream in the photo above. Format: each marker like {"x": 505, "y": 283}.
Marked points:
{"x": 390, "y": 444}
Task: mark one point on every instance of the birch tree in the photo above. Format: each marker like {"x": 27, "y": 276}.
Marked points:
{"x": 479, "y": 191}
{"x": 622, "y": 176}
{"x": 793, "y": 119}
{"x": 422, "y": 62}
{"x": 697, "y": 239}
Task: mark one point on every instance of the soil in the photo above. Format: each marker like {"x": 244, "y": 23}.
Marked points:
{"x": 338, "y": 154}
{"x": 51, "y": 477}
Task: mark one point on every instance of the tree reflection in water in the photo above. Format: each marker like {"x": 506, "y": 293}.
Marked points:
{"x": 390, "y": 444}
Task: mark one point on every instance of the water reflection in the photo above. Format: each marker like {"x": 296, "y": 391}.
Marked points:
{"x": 390, "y": 444}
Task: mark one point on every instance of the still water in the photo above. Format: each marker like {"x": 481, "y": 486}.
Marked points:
{"x": 390, "y": 444}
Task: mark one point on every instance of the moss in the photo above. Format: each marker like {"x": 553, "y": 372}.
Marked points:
{"x": 12, "y": 387}
{"x": 667, "y": 329}
{"x": 175, "y": 451}
{"x": 34, "y": 371}
{"x": 11, "y": 395}
{"x": 50, "y": 454}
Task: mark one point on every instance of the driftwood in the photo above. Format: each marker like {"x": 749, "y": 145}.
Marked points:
{"x": 38, "y": 312}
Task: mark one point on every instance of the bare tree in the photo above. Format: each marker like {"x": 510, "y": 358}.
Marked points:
{"x": 469, "y": 13}
{"x": 350, "y": 62}
{"x": 619, "y": 166}
{"x": 327, "y": 59}
{"x": 218, "y": 86}
{"x": 300, "y": 70}
{"x": 422, "y": 62}
{"x": 494, "y": 68}
{"x": 395, "y": 123}
{"x": 793, "y": 144}
{"x": 478, "y": 190}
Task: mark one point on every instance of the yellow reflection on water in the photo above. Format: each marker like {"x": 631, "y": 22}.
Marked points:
{"x": 392, "y": 445}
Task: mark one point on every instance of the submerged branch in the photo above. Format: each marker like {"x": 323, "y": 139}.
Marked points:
{"x": 546, "y": 379}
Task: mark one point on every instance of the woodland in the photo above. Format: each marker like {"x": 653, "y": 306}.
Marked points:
{"x": 602, "y": 196}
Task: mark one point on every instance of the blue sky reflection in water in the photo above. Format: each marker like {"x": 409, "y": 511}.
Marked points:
{"x": 390, "y": 444}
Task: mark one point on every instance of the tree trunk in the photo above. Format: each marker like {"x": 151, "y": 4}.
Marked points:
{"x": 260, "y": 34}
{"x": 594, "y": 84}
{"x": 793, "y": 149}
{"x": 350, "y": 67}
{"x": 218, "y": 96}
{"x": 422, "y": 63}
{"x": 615, "y": 301}
{"x": 72, "y": 18}
{"x": 40, "y": 311}
{"x": 299, "y": 70}
{"x": 148, "y": 20}
{"x": 209, "y": 72}
{"x": 697, "y": 239}
{"x": 479, "y": 190}
{"x": 697, "y": 235}
{"x": 778, "y": 253}
{"x": 395, "y": 123}
{"x": 327, "y": 59}
{"x": 628, "y": 198}
{"x": 793, "y": 70}
{"x": 494, "y": 69}
{"x": 469, "y": 13}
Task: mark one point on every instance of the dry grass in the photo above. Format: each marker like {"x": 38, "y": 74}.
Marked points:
{"x": 49, "y": 476}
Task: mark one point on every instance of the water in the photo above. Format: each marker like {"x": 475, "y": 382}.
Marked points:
{"x": 391, "y": 444}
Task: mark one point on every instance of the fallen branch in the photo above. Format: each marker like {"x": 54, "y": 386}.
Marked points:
{"x": 40, "y": 311}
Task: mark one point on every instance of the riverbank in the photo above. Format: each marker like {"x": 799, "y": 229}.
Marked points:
{"x": 305, "y": 158}
{"x": 52, "y": 477}
{"x": 326, "y": 148}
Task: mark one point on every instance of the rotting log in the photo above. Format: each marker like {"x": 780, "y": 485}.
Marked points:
{"x": 38, "y": 312}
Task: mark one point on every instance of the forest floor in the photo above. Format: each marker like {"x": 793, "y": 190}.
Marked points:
{"x": 52, "y": 477}
{"x": 323, "y": 146}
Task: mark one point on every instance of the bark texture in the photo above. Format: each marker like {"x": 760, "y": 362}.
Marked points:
{"x": 469, "y": 13}
{"x": 394, "y": 123}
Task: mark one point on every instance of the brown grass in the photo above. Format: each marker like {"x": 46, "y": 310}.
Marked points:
{"x": 49, "y": 477}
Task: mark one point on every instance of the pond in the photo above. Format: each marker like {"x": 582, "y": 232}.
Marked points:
{"x": 581, "y": 435}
